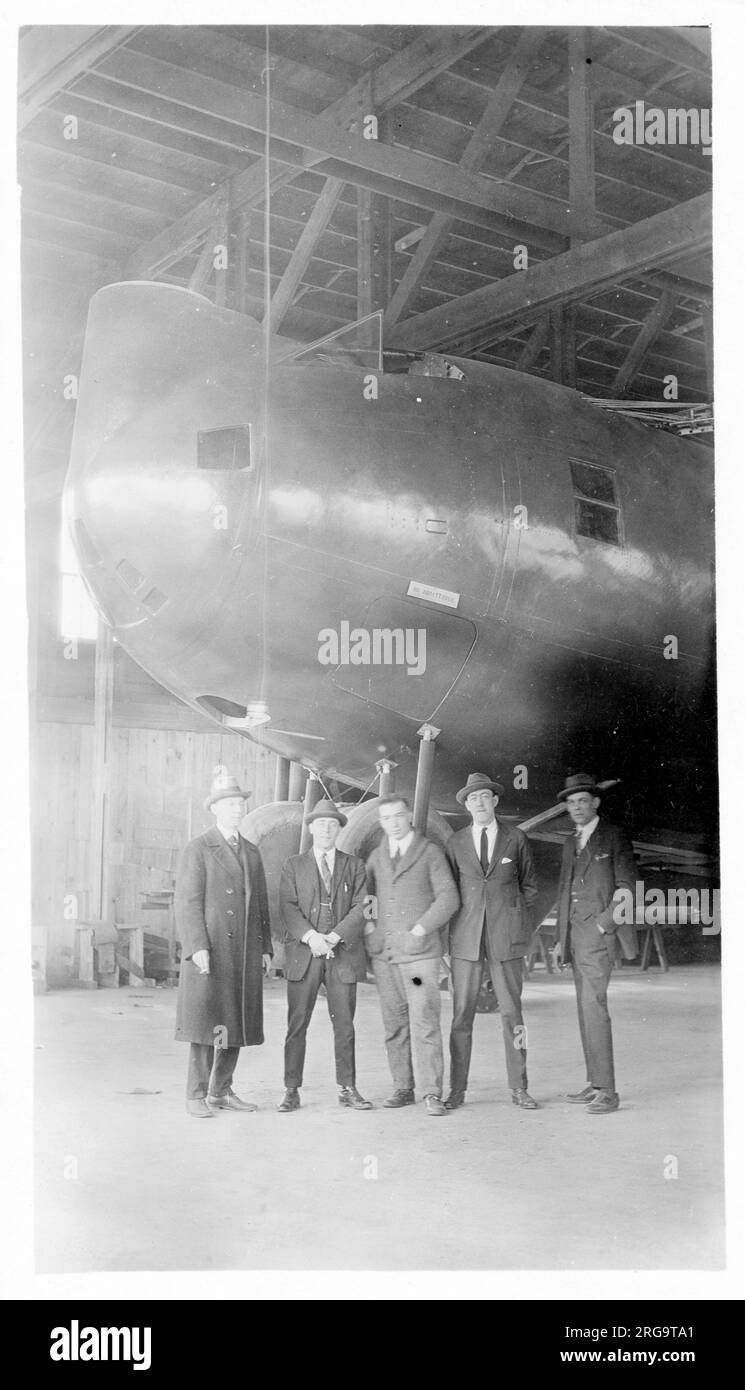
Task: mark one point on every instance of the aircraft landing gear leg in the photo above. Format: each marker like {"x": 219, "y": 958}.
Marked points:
{"x": 313, "y": 790}
{"x": 386, "y": 771}
{"x": 428, "y": 734}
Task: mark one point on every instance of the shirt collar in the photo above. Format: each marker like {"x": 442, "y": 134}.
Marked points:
{"x": 228, "y": 834}
{"x": 400, "y": 846}
{"x": 586, "y": 831}
{"x": 491, "y": 831}
{"x": 330, "y": 855}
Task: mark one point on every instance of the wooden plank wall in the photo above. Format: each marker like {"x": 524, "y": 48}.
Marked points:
{"x": 159, "y": 780}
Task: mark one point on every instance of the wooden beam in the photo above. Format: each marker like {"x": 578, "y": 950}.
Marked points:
{"x": 103, "y": 705}
{"x": 412, "y": 67}
{"x": 399, "y": 74}
{"x": 668, "y": 45}
{"x": 578, "y": 274}
{"x": 581, "y": 138}
{"x": 534, "y": 346}
{"x": 487, "y": 130}
{"x": 313, "y": 142}
{"x": 50, "y": 57}
{"x": 708, "y": 325}
{"x": 301, "y": 256}
{"x": 634, "y": 358}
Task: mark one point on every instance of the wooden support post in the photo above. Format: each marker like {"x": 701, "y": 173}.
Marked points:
{"x": 581, "y": 138}
{"x": 103, "y": 699}
{"x": 557, "y": 350}
{"x": 297, "y": 780}
{"x": 425, "y": 767}
{"x": 708, "y": 323}
{"x": 134, "y": 959}
{"x": 386, "y": 771}
{"x": 86, "y": 962}
{"x": 282, "y": 779}
{"x": 221, "y": 249}
{"x": 313, "y": 793}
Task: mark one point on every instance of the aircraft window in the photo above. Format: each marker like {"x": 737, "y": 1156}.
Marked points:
{"x": 227, "y": 449}
{"x": 597, "y": 513}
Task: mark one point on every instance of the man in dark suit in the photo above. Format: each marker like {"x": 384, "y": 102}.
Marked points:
{"x": 322, "y": 901}
{"x": 597, "y": 863}
{"x": 222, "y": 920}
{"x": 493, "y": 868}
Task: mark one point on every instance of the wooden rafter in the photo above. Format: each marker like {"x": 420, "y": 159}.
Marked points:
{"x": 412, "y": 67}
{"x": 576, "y": 274}
{"x": 653, "y": 324}
{"x": 486, "y": 132}
{"x": 293, "y": 274}
{"x": 581, "y": 137}
{"x": 50, "y": 57}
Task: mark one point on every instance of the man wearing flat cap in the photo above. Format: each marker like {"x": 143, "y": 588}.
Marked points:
{"x": 597, "y": 862}
{"x": 493, "y": 868}
{"x": 322, "y": 902}
{"x": 222, "y": 920}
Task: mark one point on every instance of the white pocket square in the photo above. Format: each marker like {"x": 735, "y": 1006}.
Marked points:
{"x": 507, "y": 861}
{"x": 601, "y": 856}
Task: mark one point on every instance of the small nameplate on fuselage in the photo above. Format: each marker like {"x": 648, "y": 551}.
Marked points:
{"x": 444, "y": 596}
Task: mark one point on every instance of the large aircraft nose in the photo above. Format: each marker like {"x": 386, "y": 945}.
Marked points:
{"x": 161, "y": 490}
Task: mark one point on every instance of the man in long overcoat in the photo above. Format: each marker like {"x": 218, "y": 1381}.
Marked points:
{"x": 597, "y": 866}
{"x": 493, "y": 868}
{"x": 222, "y": 920}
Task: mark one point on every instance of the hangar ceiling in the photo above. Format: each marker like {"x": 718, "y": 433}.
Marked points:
{"x": 142, "y": 148}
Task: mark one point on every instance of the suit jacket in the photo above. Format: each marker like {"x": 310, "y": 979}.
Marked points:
{"x": 501, "y": 899}
{"x": 419, "y": 888}
{"x": 300, "y": 907}
{"x": 221, "y": 907}
{"x": 606, "y": 863}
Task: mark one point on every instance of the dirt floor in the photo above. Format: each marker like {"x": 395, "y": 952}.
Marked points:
{"x": 126, "y": 1180}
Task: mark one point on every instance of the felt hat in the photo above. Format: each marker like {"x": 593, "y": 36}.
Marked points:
{"x": 224, "y": 784}
{"x": 478, "y": 781}
{"x": 325, "y": 810}
{"x": 578, "y": 782}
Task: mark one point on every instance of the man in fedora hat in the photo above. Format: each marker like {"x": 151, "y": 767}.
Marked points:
{"x": 493, "y": 867}
{"x": 322, "y": 901}
{"x": 597, "y": 862}
{"x": 222, "y": 919}
{"x": 415, "y": 897}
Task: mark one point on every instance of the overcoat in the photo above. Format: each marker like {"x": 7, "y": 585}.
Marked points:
{"x": 606, "y": 863}
{"x": 300, "y": 905}
{"x": 417, "y": 888}
{"x": 501, "y": 900}
{"x": 221, "y": 907}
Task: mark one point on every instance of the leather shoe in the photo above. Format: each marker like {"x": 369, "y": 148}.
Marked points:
{"x": 349, "y": 1095}
{"x": 583, "y": 1097}
{"x": 455, "y": 1100}
{"x": 604, "y": 1103}
{"x": 199, "y": 1109}
{"x": 434, "y": 1106}
{"x": 521, "y": 1098}
{"x": 230, "y": 1101}
{"x": 291, "y": 1100}
{"x": 398, "y": 1099}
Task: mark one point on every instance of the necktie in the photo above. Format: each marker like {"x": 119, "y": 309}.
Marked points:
{"x": 326, "y": 873}
{"x": 484, "y": 851}
{"x": 233, "y": 842}
{"x": 394, "y": 854}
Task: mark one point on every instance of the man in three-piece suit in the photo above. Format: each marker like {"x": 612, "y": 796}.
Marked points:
{"x": 222, "y": 920}
{"x": 493, "y": 868}
{"x": 597, "y": 862}
{"x": 322, "y": 901}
